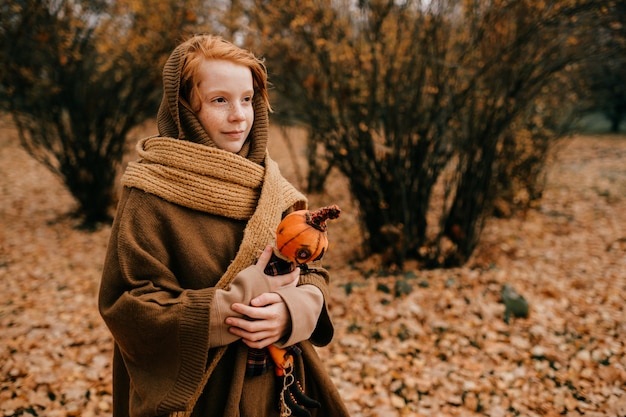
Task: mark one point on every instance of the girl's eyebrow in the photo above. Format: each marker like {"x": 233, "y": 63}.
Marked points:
{"x": 226, "y": 92}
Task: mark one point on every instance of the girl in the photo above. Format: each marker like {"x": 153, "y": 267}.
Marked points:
{"x": 183, "y": 290}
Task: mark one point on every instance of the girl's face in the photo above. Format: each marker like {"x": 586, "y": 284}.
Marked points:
{"x": 226, "y": 110}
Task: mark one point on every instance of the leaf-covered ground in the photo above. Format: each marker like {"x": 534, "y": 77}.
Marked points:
{"x": 419, "y": 343}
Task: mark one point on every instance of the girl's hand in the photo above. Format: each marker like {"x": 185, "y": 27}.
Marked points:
{"x": 267, "y": 322}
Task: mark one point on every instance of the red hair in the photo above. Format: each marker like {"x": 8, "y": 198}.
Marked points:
{"x": 203, "y": 47}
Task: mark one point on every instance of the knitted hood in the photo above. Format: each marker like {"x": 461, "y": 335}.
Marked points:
{"x": 175, "y": 118}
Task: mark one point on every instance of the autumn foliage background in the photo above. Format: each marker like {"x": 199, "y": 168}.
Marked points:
{"x": 448, "y": 132}
{"x": 415, "y": 343}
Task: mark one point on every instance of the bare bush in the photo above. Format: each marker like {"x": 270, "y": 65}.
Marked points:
{"x": 77, "y": 76}
{"x": 396, "y": 91}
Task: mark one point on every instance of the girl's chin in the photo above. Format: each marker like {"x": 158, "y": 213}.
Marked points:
{"x": 230, "y": 146}
{"x": 234, "y": 149}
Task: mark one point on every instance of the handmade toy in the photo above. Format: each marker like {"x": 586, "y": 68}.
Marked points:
{"x": 300, "y": 238}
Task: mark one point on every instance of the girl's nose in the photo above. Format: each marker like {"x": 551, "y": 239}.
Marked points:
{"x": 236, "y": 112}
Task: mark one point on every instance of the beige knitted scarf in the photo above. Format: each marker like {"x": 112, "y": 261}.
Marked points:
{"x": 218, "y": 182}
{"x": 196, "y": 176}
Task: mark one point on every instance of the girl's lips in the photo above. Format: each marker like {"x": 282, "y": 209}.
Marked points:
{"x": 234, "y": 134}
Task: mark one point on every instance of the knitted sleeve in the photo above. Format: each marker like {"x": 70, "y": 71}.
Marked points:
{"x": 160, "y": 326}
{"x": 304, "y": 303}
{"x": 247, "y": 284}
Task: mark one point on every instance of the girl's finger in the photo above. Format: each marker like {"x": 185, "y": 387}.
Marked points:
{"x": 265, "y": 257}
{"x": 266, "y": 299}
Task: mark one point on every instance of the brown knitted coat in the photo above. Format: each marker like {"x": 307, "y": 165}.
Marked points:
{"x": 173, "y": 243}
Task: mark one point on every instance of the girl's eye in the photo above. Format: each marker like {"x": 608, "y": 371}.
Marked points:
{"x": 220, "y": 100}
{"x": 247, "y": 99}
